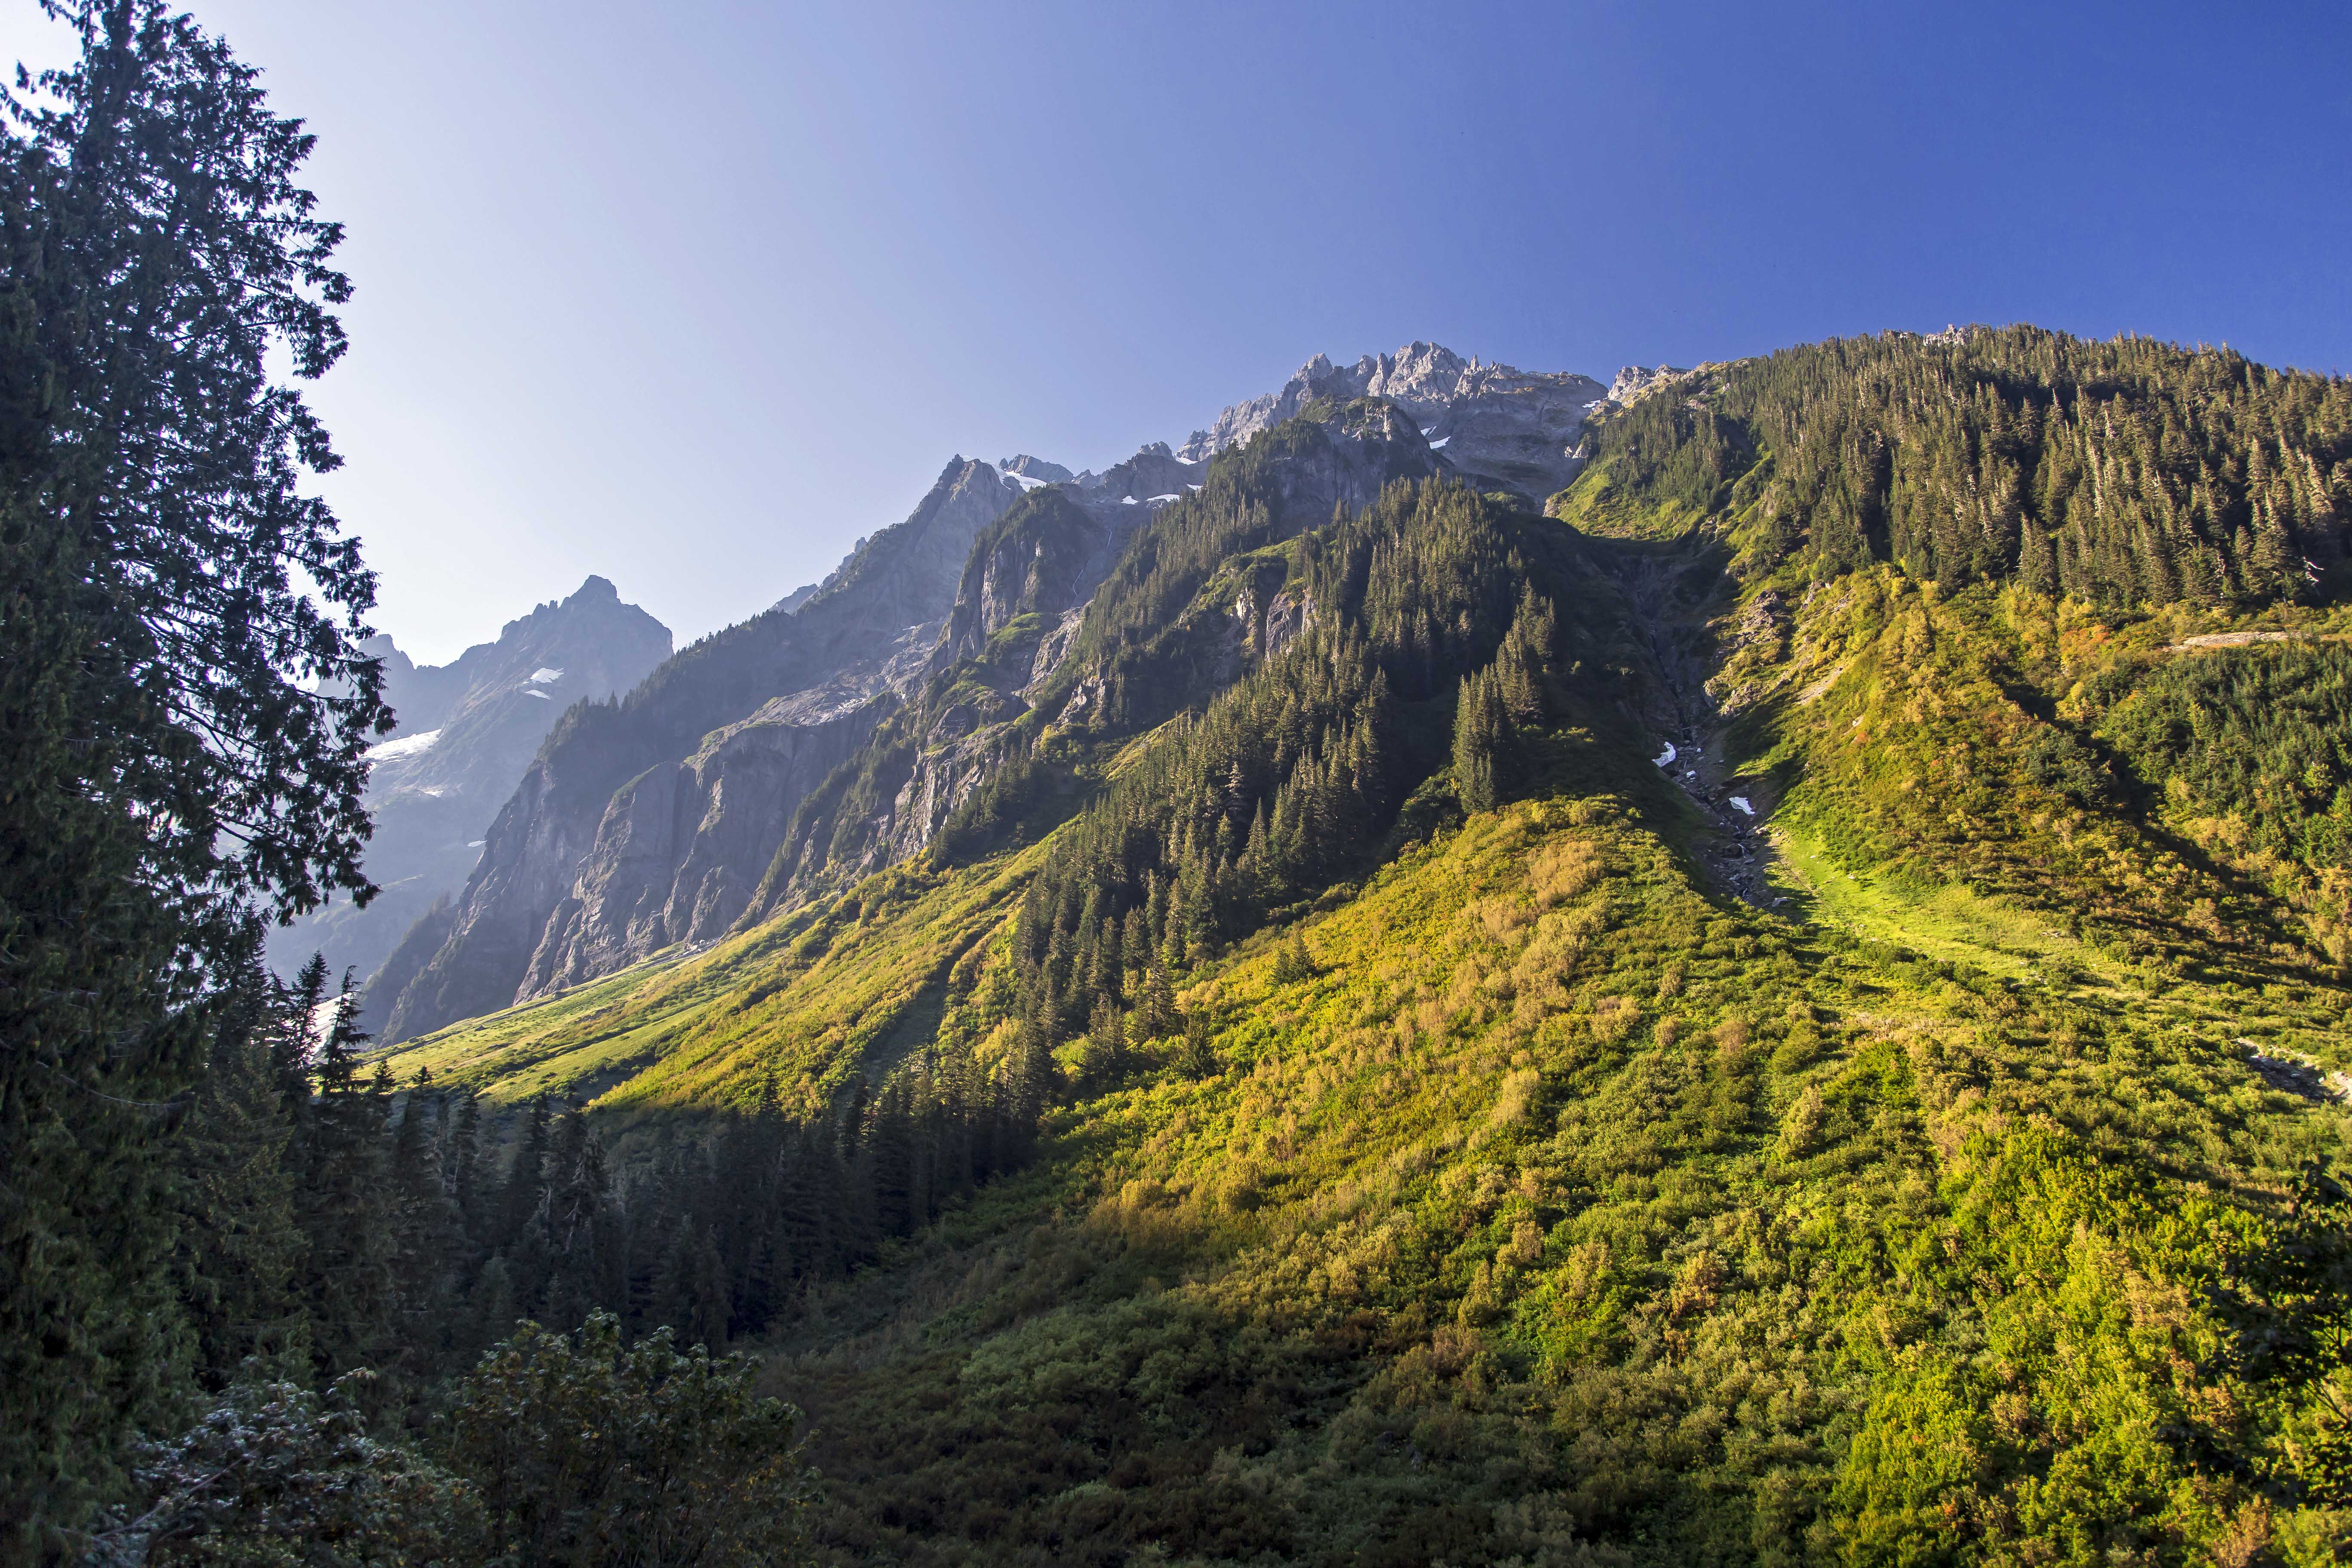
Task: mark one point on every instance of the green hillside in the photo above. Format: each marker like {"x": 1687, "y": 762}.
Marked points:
{"x": 1787, "y": 1005}
{"x": 1384, "y": 1116}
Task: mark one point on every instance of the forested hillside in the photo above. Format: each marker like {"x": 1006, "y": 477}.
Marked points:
{"x": 2131, "y": 472}
{"x": 1762, "y": 1016}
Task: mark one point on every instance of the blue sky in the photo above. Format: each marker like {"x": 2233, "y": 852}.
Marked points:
{"x": 692, "y": 295}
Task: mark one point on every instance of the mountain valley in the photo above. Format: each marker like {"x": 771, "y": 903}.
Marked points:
{"x": 1776, "y": 1002}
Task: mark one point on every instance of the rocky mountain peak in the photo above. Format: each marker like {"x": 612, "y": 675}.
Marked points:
{"x": 1494, "y": 425}
{"x": 466, "y": 731}
{"x": 1031, "y": 472}
{"x": 1633, "y": 380}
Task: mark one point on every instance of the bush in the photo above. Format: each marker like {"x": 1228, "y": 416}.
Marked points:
{"x": 587, "y": 1453}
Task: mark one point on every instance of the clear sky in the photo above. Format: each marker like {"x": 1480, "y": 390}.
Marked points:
{"x": 693, "y": 294}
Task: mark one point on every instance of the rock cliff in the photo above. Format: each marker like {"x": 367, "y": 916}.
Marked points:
{"x": 647, "y": 821}
{"x": 1494, "y": 426}
{"x": 467, "y": 729}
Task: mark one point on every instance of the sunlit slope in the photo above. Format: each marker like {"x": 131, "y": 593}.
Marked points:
{"x": 790, "y": 1010}
{"x": 1562, "y": 1207}
{"x": 1995, "y": 743}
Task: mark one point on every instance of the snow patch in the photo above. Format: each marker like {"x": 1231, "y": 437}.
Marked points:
{"x": 1425, "y": 434}
{"x": 1739, "y": 804}
{"x": 406, "y": 746}
{"x": 475, "y": 843}
{"x": 1157, "y": 499}
{"x": 1668, "y": 757}
{"x": 1191, "y": 487}
{"x": 544, "y": 674}
{"x": 1434, "y": 446}
{"x": 1025, "y": 483}
{"x": 535, "y": 691}
{"x": 1127, "y": 500}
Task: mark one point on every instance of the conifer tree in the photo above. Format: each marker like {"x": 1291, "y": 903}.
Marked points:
{"x": 1106, "y": 1044}
{"x": 168, "y": 762}
{"x": 1480, "y": 736}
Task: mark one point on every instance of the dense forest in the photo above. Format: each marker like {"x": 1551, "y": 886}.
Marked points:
{"x": 230, "y": 1269}
{"x": 2131, "y": 472}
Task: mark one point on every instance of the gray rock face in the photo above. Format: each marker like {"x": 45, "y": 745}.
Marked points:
{"x": 467, "y": 729}
{"x": 1037, "y": 471}
{"x": 1634, "y": 381}
{"x": 1495, "y": 426}
{"x": 680, "y": 846}
{"x": 1153, "y": 477}
{"x": 1026, "y": 586}
{"x": 647, "y": 823}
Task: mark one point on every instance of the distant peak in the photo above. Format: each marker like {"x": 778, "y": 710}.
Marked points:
{"x": 1029, "y": 472}
{"x": 594, "y": 588}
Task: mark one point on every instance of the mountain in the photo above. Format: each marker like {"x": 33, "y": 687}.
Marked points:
{"x": 466, "y": 731}
{"x": 1786, "y": 1005}
{"x": 1498, "y": 429}
{"x": 598, "y": 864}
{"x": 647, "y": 822}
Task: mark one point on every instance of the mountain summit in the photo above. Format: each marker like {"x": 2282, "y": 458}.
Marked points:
{"x": 1499, "y": 427}
{"x": 466, "y": 731}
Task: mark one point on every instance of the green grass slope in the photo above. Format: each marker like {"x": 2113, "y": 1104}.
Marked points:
{"x": 1566, "y": 1214}
{"x": 1935, "y": 1168}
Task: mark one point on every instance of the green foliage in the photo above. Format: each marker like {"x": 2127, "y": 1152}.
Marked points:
{"x": 168, "y": 766}
{"x": 552, "y": 1450}
{"x": 2247, "y": 752}
{"x": 586, "y": 1452}
{"x": 277, "y": 1475}
{"x": 2130, "y": 472}
{"x": 1560, "y": 1209}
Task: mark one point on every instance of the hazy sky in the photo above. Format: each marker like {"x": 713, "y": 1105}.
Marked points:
{"x": 692, "y": 295}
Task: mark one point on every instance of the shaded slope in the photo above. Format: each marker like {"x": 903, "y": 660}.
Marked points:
{"x": 633, "y": 886}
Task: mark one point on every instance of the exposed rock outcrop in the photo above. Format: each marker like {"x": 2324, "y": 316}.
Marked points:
{"x": 1632, "y": 382}
{"x": 1498, "y": 427}
{"x": 670, "y": 857}
{"x": 467, "y": 729}
{"x": 573, "y": 881}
